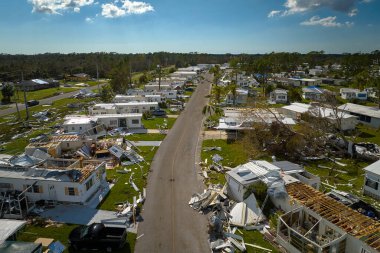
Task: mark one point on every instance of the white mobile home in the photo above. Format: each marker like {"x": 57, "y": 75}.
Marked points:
{"x": 366, "y": 114}
{"x": 78, "y": 124}
{"x": 123, "y": 108}
{"x": 166, "y": 94}
{"x": 137, "y": 98}
{"x": 347, "y": 93}
{"x": 126, "y": 120}
{"x": 372, "y": 180}
{"x": 74, "y": 123}
{"x": 278, "y": 96}
{"x": 156, "y": 87}
{"x": 241, "y": 97}
{"x": 295, "y": 111}
{"x": 60, "y": 180}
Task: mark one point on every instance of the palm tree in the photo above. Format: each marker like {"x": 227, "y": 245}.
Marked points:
{"x": 217, "y": 93}
{"x": 232, "y": 88}
{"x": 216, "y": 71}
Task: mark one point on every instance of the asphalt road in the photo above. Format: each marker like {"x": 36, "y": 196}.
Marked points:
{"x": 44, "y": 101}
{"x": 170, "y": 225}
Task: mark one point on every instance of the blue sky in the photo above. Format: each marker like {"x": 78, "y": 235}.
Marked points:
{"x": 210, "y": 26}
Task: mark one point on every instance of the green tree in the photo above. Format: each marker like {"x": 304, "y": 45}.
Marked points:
{"x": 121, "y": 78}
{"x": 235, "y": 65}
{"x": 217, "y": 72}
{"x": 361, "y": 80}
{"x": 294, "y": 95}
{"x": 232, "y": 88}
{"x": 262, "y": 67}
{"x": 143, "y": 78}
{"x": 217, "y": 93}
{"x": 106, "y": 93}
{"x": 7, "y": 91}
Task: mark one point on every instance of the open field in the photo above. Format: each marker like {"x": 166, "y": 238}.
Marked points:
{"x": 41, "y": 94}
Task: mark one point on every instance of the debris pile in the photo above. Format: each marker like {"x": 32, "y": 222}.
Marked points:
{"x": 367, "y": 151}
{"x": 226, "y": 213}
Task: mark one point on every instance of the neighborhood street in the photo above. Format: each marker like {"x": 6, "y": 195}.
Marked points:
{"x": 44, "y": 101}
{"x": 170, "y": 225}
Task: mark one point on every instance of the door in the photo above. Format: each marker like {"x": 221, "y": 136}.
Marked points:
{"x": 123, "y": 122}
{"x": 52, "y": 192}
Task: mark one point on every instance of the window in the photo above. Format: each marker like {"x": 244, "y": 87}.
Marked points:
{"x": 113, "y": 122}
{"x": 135, "y": 121}
{"x": 71, "y": 191}
{"x": 72, "y": 128}
{"x": 371, "y": 183}
{"x": 365, "y": 118}
{"x": 6, "y": 185}
{"x": 152, "y": 108}
{"x": 33, "y": 188}
{"x": 27, "y": 186}
{"x": 89, "y": 184}
{"x": 80, "y": 128}
{"x": 37, "y": 189}
{"x": 67, "y": 144}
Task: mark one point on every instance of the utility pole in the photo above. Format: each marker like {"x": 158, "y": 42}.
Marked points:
{"x": 16, "y": 101}
{"x": 130, "y": 75}
{"x": 25, "y": 101}
{"x": 159, "y": 77}
{"x": 97, "y": 77}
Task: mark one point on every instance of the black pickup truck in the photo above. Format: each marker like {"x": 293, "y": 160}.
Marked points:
{"x": 98, "y": 236}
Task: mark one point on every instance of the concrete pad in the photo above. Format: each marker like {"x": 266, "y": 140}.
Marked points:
{"x": 77, "y": 214}
{"x": 146, "y": 143}
{"x": 214, "y": 134}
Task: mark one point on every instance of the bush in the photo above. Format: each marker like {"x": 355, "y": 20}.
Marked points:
{"x": 147, "y": 115}
{"x": 163, "y": 105}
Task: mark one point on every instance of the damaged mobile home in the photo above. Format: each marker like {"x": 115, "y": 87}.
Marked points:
{"x": 315, "y": 222}
{"x": 55, "y": 180}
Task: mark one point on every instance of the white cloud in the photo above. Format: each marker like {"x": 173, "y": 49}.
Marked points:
{"x": 326, "y": 22}
{"x": 273, "y": 13}
{"x": 112, "y": 10}
{"x": 135, "y": 7}
{"x": 56, "y": 6}
{"x": 353, "y": 12}
{"x": 300, "y": 6}
{"x": 89, "y": 20}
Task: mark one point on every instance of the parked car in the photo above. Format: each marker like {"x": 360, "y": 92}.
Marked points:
{"x": 98, "y": 236}
{"x": 32, "y": 102}
{"x": 159, "y": 113}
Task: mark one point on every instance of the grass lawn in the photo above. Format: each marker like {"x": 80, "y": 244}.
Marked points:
{"x": 256, "y": 238}
{"x": 61, "y": 233}
{"x": 146, "y": 137}
{"x": 156, "y": 122}
{"x": 368, "y": 134}
{"x": 352, "y": 174}
{"x": 41, "y": 94}
{"x": 124, "y": 192}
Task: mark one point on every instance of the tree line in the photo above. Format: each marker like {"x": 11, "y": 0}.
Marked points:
{"x": 55, "y": 65}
